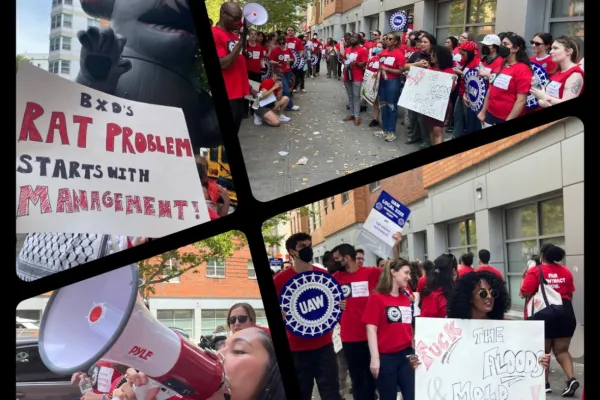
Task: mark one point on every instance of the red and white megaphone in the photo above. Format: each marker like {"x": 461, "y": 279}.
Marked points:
{"x": 255, "y": 14}
{"x": 103, "y": 318}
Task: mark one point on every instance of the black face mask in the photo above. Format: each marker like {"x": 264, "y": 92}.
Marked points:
{"x": 485, "y": 51}
{"x": 338, "y": 266}
{"x": 503, "y": 51}
{"x": 305, "y": 254}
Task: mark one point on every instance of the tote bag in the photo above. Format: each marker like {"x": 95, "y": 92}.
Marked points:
{"x": 370, "y": 86}
{"x": 546, "y": 304}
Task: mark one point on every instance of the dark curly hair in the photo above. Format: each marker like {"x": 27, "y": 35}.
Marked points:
{"x": 415, "y": 274}
{"x": 461, "y": 301}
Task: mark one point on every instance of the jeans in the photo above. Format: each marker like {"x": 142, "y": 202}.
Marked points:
{"x": 389, "y": 94}
{"x": 358, "y": 358}
{"x": 332, "y": 65}
{"x": 353, "y": 91}
{"x": 396, "y": 372}
{"x": 317, "y": 67}
{"x": 285, "y": 82}
{"x": 472, "y": 123}
{"x": 342, "y": 372}
{"x": 317, "y": 365}
{"x": 459, "y": 117}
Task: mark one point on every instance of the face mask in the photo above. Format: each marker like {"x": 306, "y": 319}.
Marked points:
{"x": 376, "y": 50}
{"x": 485, "y": 50}
{"x": 503, "y": 51}
{"x": 306, "y": 254}
{"x": 338, "y": 266}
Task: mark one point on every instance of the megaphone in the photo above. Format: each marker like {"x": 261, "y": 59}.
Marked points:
{"x": 255, "y": 14}
{"x": 103, "y": 318}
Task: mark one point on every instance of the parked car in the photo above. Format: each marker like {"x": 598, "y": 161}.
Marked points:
{"x": 35, "y": 381}
{"x": 27, "y": 328}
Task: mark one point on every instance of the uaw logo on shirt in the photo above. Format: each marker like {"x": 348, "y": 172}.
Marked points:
{"x": 398, "y": 20}
{"x": 395, "y": 314}
{"x": 476, "y": 88}
{"x": 347, "y": 291}
{"x": 310, "y": 301}
{"x": 230, "y": 45}
{"x": 93, "y": 374}
{"x": 540, "y": 77}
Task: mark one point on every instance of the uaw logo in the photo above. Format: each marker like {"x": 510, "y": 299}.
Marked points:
{"x": 476, "y": 88}
{"x": 393, "y": 314}
{"x": 296, "y": 59}
{"x": 539, "y": 81}
{"x": 301, "y": 63}
{"x": 267, "y": 70}
{"x": 310, "y": 301}
{"x": 230, "y": 45}
{"x": 378, "y": 206}
{"x": 398, "y": 20}
{"x": 93, "y": 374}
{"x": 347, "y": 291}
{"x": 314, "y": 59}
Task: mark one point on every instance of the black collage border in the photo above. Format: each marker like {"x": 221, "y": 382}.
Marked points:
{"x": 251, "y": 213}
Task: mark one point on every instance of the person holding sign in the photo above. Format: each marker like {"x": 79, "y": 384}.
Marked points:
{"x": 440, "y": 60}
{"x": 388, "y": 318}
{"x": 271, "y": 102}
{"x": 357, "y": 284}
{"x": 391, "y": 61}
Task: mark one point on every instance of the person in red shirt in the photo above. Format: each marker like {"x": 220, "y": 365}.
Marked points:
{"x": 357, "y": 284}
{"x": 102, "y": 375}
{"x": 541, "y": 44}
{"x": 281, "y": 58}
{"x": 391, "y": 61}
{"x": 355, "y": 60}
{"x": 469, "y": 52}
{"x": 567, "y": 82}
{"x": 484, "y": 263}
{"x": 466, "y": 264}
{"x": 255, "y": 61}
{"x": 491, "y": 61}
{"x": 434, "y": 297}
{"x": 318, "y": 46}
{"x": 388, "y": 317}
{"x": 272, "y": 112}
{"x": 507, "y": 95}
{"x": 314, "y": 358}
{"x": 560, "y": 330}
{"x": 233, "y": 62}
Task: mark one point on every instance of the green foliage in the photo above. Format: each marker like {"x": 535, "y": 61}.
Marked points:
{"x": 271, "y": 236}
{"x": 19, "y": 59}
{"x": 160, "y": 269}
{"x": 213, "y": 8}
{"x": 201, "y": 72}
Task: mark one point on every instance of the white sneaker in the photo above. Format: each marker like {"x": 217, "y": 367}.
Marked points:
{"x": 257, "y": 120}
{"x": 304, "y": 90}
{"x": 295, "y": 108}
{"x": 283, "y": 118}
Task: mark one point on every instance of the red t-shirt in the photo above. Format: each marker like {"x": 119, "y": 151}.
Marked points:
{"x": 361, "y": 56}
{"x": 556, "y": 86}
{"x": 557, "y": 276}
{"x": 373, "y": 64}
{"x": 268, "y": 84}
{"x": 491, "y": 269}
{"x": 465, "y": 270}
{"x": 369, "y": 45}
{"x": 337, "y": 47}
{"x": 255, "y": 56}
{"x": 298, "y": 343}
{"x": 293, "y": 43}
{"x": 394, "y": 59}
{"x": 434, "y": 304}
{"x": 318, "y": 46}
{"x": 282, "y": 57}
{"x": 392, "y": 316}
{"x": 410, "y": 51}
{"x": 264, "y": 328}
{"x": 421, "y": 284}
{"x": 546, "y": 63}
{"x": 457, "y": 58}
{"x": 357, "y": 287}
{"x": 236, "y": 77}
{"x": 510, "y": 81}
{"x": 103, "y": 376}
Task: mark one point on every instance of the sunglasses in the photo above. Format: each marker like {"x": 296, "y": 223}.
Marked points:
{"x": 534, "y": 43}
{"x": 235, "y": 17}
{"x": 483, "y": 293}
{"x": 241, "y": 318}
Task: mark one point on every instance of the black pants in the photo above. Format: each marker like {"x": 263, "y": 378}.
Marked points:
{"x": 299, "y": 83}
{"x": 358, "y": 359}
{"x": 237, "y": 111}
{"x": 396, "y": 372}
{"x": 317, "y": 67}
{"x": 317, "y": 365}
{"x": 253, "y": 76}
{"x": 339, "y": 67}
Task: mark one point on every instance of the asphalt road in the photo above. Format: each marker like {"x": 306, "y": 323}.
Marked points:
{"x": 333, "y": 147}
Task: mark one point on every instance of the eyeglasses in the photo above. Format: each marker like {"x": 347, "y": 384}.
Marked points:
{"x": 235, "y": 17}
{"x": 534, "y": 43}
{"x": 483, "y": 293}
{"x": 241, "y": 318}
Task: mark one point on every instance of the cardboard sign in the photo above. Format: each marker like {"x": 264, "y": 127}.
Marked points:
{"x": 427, "y": 92}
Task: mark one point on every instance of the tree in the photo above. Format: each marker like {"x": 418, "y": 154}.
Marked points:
{"x": 175, "y": 263}
{"x": 270, "y": 234}
{"x": 213, "y": 8}
{"x": 21, "y": 58}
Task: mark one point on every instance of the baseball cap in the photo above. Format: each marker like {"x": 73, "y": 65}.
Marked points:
{"x": 489, "y": 40}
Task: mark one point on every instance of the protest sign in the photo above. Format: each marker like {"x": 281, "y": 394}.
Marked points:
{"x": 88, "y": 162}
{"x": 479, "y": 359}
{"x": 427, "y": 92}
{"x": 387, "y": 217}
{"x": 337, "y": 338}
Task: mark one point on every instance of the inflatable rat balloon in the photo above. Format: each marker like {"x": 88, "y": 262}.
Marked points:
{"x": 148, "y": 55}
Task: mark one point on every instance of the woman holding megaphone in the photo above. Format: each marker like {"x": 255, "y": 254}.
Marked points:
{"x": 250, "y": 368}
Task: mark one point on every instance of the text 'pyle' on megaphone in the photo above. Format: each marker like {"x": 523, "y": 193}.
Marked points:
{"x": 255, "y": 14}
{"x": 103, "y": 318}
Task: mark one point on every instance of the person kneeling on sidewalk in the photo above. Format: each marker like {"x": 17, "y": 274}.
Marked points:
{"x": 271, "y": 103}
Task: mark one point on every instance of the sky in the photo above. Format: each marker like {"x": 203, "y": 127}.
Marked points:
{"x": 33, "y": 26}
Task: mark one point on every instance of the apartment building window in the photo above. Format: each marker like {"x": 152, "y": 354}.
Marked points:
{"x": 66, "y": 43}
{"x": 453, "y": 17}
{"x": 173, "y": 267}
{"x": 528, "y": 227}
{"x": 56, "y": 21}
{"x": 345, "y": 197}
{"x": 374, "y": 186}
{"x": 53, "y": 66}
{"x": 94, "y": 22}
{"x": 251, "y": 270}
{"x": 68, "y": 2}
{"x": 67, "y": 20}
{"x": 65, "y": 67}
{"x": 565, "y": 17}
{"x": 54, "y": 44}
{"x": 211, "y": 319}
{"x": 404, "y": 249}
{"x": 333, "y": 202}
{"x": 261, "y": 318}
{"x": 181, "y": 319}
{"x": 59, "y": 2}
{"x": 425, "y": 252}
{"x": 34, "y": 315}
{"x": 462, "y": 237}
{"x": 325, "y": 206}
{"x": 315, "y": 216}
{"x": 215, "y": 268}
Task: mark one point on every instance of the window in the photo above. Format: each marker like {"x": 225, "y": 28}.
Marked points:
{"x": 374, "y": 186}
{"x": 251, "y": 270}
{"x": 53, "y": 66}
{"x": 94, "y": 22}
{"x": 65, "y": 67}
{"x": 453, "y": 17}
{"x": 333, "y": 203}
{"x": 180, "y": 319}
{"x": 172, "y": 268}
{"x": 315, "y": 216}
{"x": 56, "y": 3}
{"x": 425, "y": 256}
{"x": 404, "y": 249}
{"x": 56, "y": 21}
{"x": 210, "y": 319}
{"x": 529, "y": 227}
{"x": 67, "y": 20}
{"x": 68, "y": 2}
{"x": 54, "y": 44}
{"x": 34, "y": 315}
{"x": 215, "y": 268}
{"x": 31, "y": 368}
{"x": 66, "y": 43}
{"x": 566, "y": 18}
{"x": 462, "y": 237}
{"x": 345, "y": 197}
{"x": 261, "y": 318}
{"x": 325, "y": 206}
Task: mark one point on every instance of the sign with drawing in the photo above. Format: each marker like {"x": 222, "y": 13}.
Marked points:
{"x": 427, "y": 92}
{"x": 479, "y": 359}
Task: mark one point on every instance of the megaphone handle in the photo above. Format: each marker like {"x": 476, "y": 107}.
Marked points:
{"x": 141, "y": 392}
